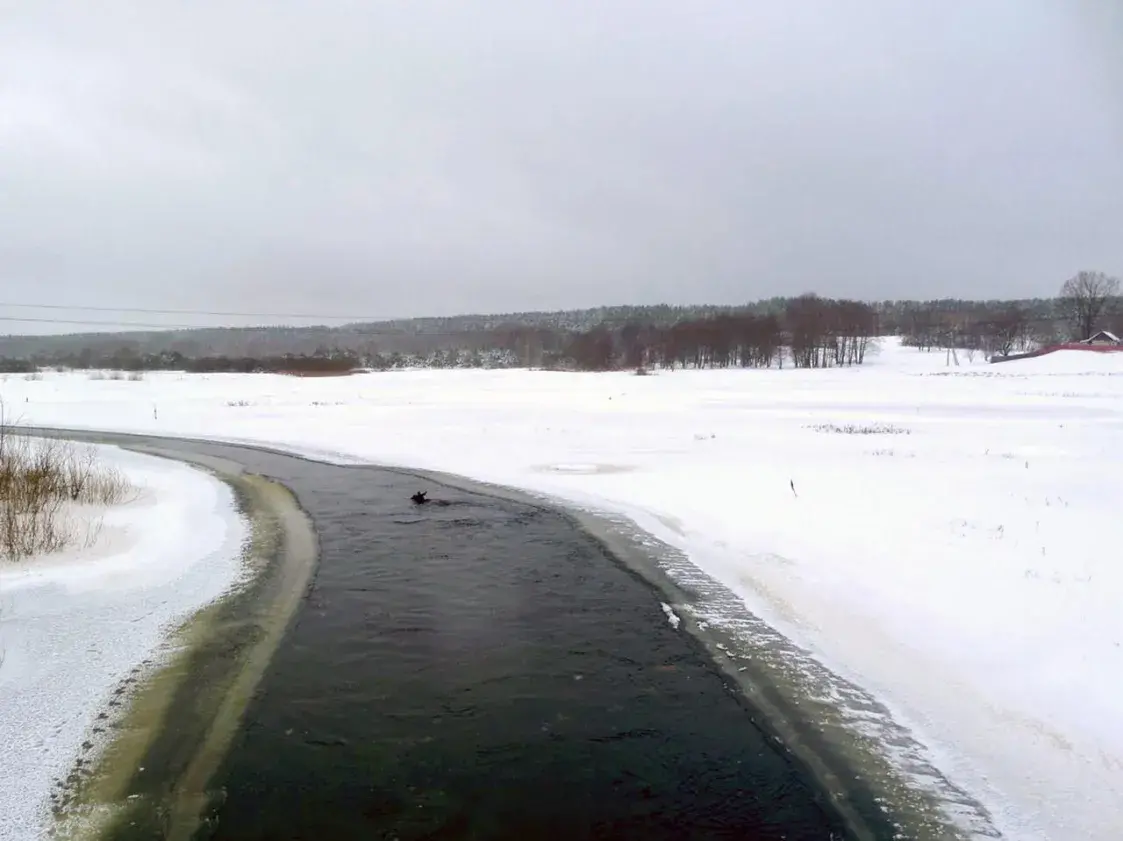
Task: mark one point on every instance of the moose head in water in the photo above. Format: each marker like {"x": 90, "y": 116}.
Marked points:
{"x": 420, "y": 498}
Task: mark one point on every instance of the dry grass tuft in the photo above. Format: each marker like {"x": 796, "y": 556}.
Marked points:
{"x": 40, "y": 481}
{"x": 860, "y": 429}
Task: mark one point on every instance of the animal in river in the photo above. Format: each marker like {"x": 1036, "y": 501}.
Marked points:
{"x": 420, "y": 498}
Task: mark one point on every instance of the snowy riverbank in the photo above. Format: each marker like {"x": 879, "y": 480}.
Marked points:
{"x": 74, "y": 625}
{"x": 948, "y": 544}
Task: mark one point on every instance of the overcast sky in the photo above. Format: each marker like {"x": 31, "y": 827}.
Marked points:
{"x": 420, "y": 157}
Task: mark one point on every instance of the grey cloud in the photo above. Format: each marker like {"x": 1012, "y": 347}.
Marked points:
{"x": 436, "y": 157}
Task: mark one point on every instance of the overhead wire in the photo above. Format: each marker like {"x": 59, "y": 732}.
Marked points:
{"x": 102, "y": 323}
{"x": 221, "y": 313}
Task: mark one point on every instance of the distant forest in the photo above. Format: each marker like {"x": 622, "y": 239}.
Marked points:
{"x": 806, "y": 332}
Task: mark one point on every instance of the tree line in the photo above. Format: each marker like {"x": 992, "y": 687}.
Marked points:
{"x": 808, "y": 331}
{"x": 811, "y": 332}
{"x": 1088, "y": 301}
{"x": 127, "y": 360}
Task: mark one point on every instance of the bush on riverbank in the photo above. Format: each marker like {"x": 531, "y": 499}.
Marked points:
{"x": 41, "y": 480}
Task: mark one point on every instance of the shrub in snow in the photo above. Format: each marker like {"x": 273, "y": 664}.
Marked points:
{"x": 39, "y": 480}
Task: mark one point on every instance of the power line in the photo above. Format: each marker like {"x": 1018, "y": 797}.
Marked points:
{"x": 94, "y": 322}
{"x": 224, "y": 313}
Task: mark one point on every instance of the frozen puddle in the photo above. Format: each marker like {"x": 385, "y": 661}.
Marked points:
{"x": 584, "y": 469}
{"x": 78, "y": 625}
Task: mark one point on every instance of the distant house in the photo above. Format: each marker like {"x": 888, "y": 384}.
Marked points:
{"x": 1102, "y": 338}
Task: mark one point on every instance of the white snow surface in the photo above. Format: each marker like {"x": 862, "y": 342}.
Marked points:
{"x": 75, "y": 624}
{"x": 960, "y": 562}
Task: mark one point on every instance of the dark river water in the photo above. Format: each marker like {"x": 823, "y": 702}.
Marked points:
{"x": 481, "y": 668}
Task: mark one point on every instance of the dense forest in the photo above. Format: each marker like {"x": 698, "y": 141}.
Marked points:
{"x": 807, "y": 331}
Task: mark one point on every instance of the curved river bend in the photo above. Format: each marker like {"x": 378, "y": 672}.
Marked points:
{"x": 480, "y": 668}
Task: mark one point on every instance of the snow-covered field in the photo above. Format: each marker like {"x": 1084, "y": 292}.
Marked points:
{"x": 951, "y": 543}
{"x": 74, "y": 625}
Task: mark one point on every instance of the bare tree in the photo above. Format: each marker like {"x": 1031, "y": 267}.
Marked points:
{"x": 593, "y": 351}
{"x": 635, "y": 340}
{"x": 1008, "y": 331}
{"x": 808, "y": 323}
{"x": 1083, "y": 298}
{"x": 857, "y": 325}
{"x": 921, "y": 328}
